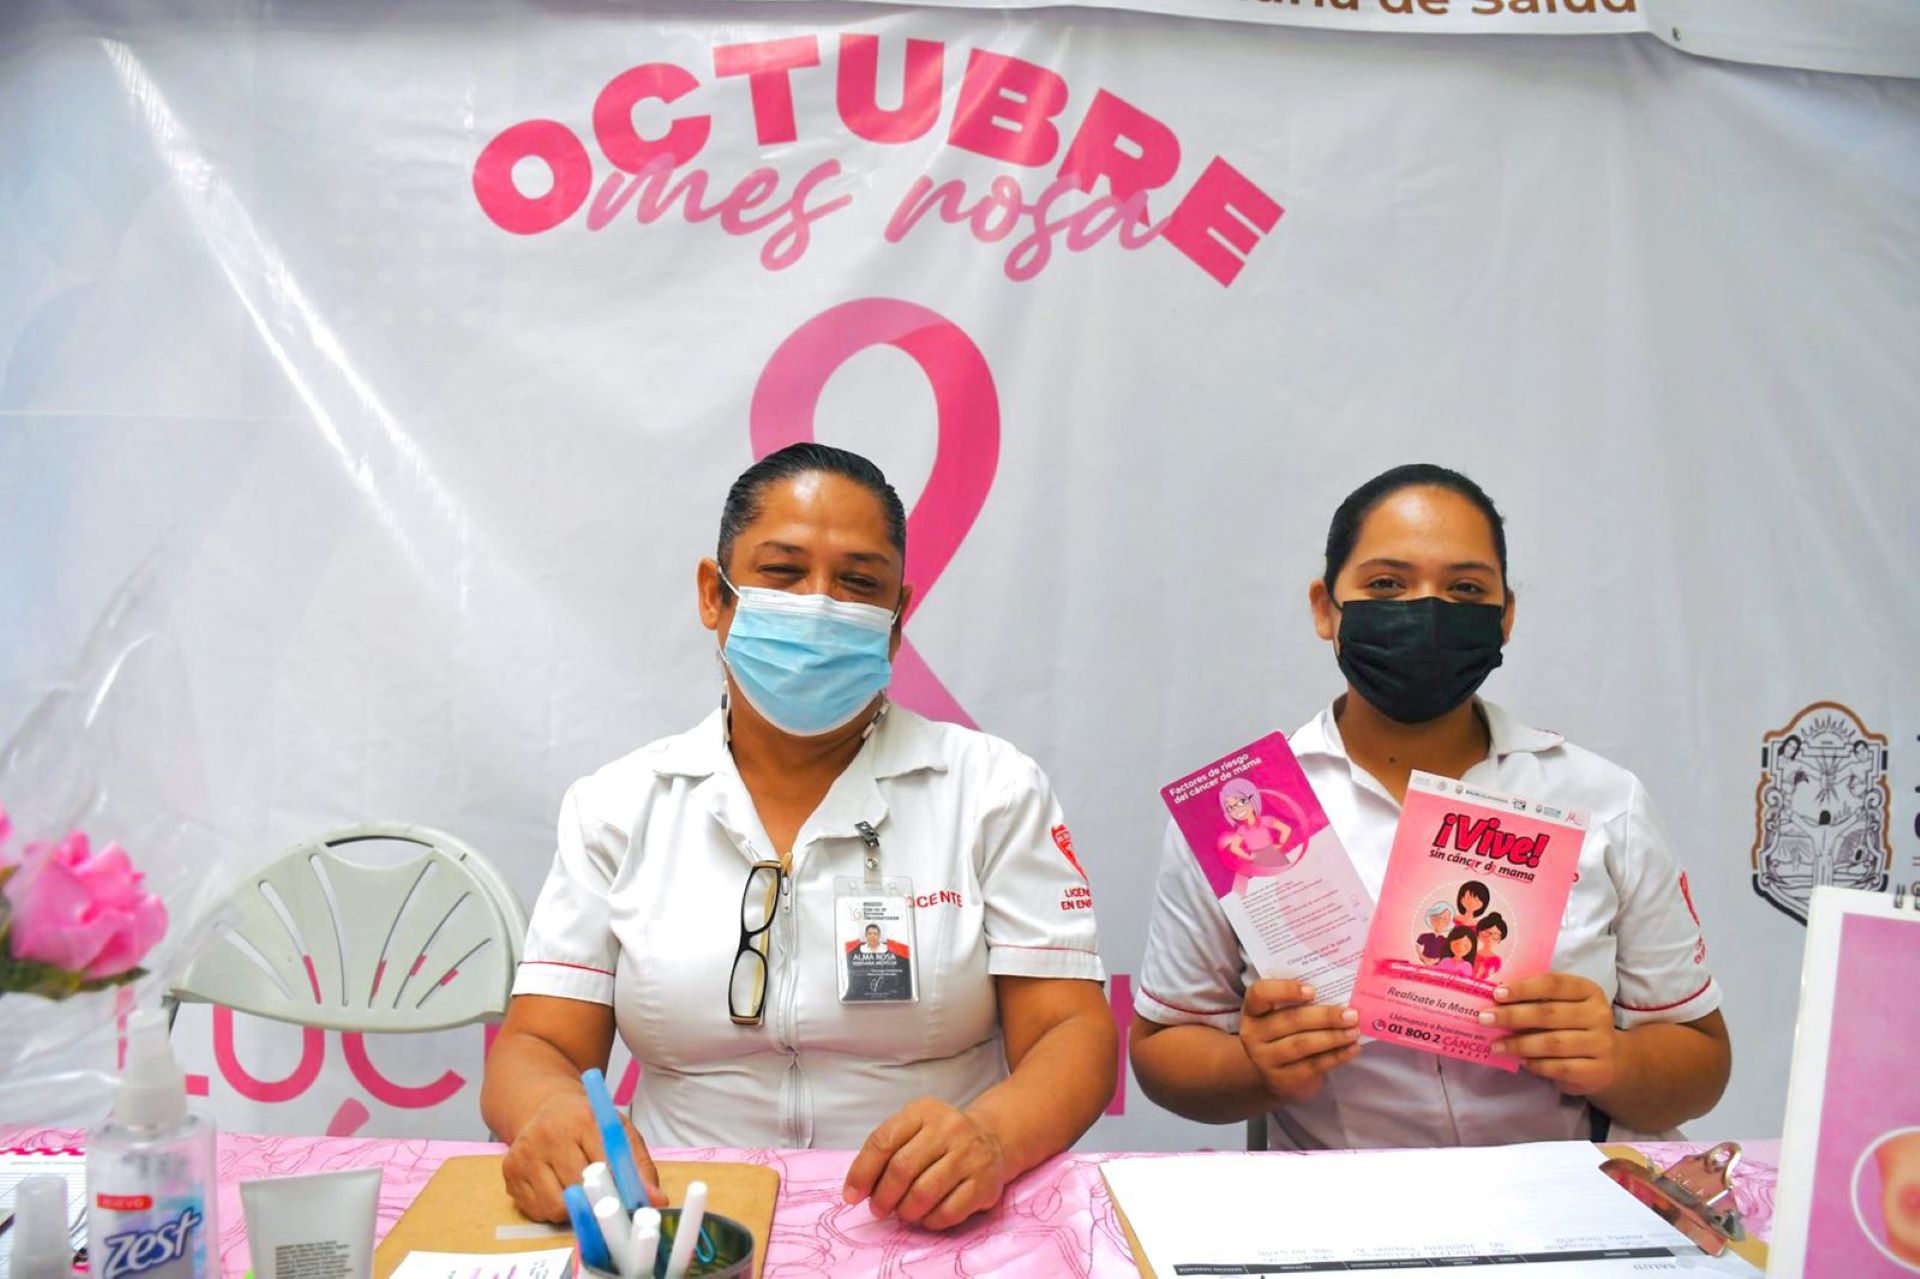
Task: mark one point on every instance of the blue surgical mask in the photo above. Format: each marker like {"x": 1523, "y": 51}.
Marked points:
{"x": 807, "y": 663}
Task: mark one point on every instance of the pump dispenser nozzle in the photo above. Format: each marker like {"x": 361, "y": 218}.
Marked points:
{"x": 153, "y": 1091}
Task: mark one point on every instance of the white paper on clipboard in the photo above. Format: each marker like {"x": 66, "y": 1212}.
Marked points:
{"x": 1539, "y": 1211}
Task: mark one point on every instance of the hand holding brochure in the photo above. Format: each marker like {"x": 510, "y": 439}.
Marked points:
{"x": 1273, "y": 860}
{"x": 1475, "y": 888}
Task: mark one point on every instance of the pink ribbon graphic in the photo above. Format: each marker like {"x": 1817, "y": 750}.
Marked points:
{"x": 965, "y": 453}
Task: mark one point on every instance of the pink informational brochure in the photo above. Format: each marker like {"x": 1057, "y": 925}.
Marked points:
{"x": 1474, "y": 891}
{"x": 1273, "y": 860}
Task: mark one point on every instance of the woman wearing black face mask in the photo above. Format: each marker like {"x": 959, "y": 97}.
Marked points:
{"x": 1625, "y": 1033}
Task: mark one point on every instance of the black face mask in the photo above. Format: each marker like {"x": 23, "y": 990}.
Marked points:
{"x": 1415, "y": 660}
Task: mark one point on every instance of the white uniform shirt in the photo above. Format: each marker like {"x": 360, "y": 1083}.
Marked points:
{"x": 1629, "y": 927}
{"x": 642, "y": 911}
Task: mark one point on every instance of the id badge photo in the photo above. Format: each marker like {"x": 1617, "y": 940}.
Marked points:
{"x": 874, "y": 950}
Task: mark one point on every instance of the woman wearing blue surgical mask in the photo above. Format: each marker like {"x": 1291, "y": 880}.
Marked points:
{"x": 1624, "y": 1035}
{"x": 716, "y": 897}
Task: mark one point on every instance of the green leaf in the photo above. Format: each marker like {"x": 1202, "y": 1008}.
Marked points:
{"x": 28, "y": 977}
{"x": 108, "y": 983}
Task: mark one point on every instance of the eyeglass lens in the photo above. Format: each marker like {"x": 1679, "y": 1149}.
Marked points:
{"x": 747, "y": 992}
{"x": 758, "y": 901}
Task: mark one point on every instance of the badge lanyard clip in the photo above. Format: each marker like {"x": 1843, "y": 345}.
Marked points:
{"x": 872, "y": 855}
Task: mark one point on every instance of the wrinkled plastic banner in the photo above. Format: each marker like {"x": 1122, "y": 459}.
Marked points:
{"x": 370, "y": 380}
{"x": 1856, "y": 37}
{"x": 1421, "y": 17}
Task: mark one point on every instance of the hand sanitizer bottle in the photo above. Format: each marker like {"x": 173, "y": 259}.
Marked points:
{"x": 150, "y": 1171}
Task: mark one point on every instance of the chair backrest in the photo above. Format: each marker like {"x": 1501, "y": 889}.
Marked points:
{"x": 318, "y": 940}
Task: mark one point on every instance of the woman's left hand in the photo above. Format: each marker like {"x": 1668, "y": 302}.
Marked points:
{"x": 931, "y": 1164}
{"x": 1562, "y": 1030}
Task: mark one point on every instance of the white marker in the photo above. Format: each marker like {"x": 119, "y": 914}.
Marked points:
{"x": 692, "y": 1210}
{"x": 598, "y": 1183}
{"x": 646, "y": 1241}
{"x": 618, "y": 1234}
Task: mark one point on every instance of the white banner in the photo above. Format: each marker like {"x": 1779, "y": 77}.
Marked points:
{"x": 1426, "y": 17}
{"x": 1860, "y": 37}
{"x": 370, "y": 380}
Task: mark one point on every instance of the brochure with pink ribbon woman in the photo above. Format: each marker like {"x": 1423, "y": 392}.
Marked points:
{"x": 1475, "y": 888}
{"x": 1273, "y": 860}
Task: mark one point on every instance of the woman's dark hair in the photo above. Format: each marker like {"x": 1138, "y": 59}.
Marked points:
{"x": 1475, "y": 887}
{"x": 743, "y": 499}
{"x": 1492, "y": 921}
{"x": 1344, "y": 531}
{"x": 1459, "y": 931}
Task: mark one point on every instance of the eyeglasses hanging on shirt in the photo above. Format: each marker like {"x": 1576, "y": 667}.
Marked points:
{"x": 747, "y": 987}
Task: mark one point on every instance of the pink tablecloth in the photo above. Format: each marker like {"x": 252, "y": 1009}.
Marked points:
{"x": 1055, "y": 1221}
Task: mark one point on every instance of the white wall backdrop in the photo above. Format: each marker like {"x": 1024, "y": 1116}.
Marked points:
{"x": 323, "y": 497}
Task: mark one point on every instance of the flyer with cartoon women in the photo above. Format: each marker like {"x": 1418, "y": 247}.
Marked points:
{"x": 1475, "y": 888}
{"x": 1272, "y": 858}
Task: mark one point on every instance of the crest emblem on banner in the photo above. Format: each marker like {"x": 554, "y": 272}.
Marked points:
{"x": 1820, "y": 811}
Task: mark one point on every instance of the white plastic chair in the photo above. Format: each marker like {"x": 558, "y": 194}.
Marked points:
{"x": 317, "y": 940}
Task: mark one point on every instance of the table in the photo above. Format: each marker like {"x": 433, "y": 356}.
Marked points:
{"x": 1056, "y": 1221}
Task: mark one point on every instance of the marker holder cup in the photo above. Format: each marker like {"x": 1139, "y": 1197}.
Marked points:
{"x": 732, "y": 1249}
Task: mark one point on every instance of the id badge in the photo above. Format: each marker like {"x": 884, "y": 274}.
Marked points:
{"x": 873, "y": 941}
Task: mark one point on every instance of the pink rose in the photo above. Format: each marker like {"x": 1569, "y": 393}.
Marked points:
{"x": 81, "y": 911}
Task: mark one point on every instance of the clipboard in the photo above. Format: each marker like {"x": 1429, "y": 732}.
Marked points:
{"x": 1126, "y": 1228}
{"x": 1749, "y": 1249}
{"x": 466, "y": 1201}
{"x": 1695, "y": 1195}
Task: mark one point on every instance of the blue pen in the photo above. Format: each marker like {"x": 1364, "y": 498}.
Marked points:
{"x": 619, "y": 1151}
{"x": 593, "y": 1246}
{"x": 613, "y": 1139}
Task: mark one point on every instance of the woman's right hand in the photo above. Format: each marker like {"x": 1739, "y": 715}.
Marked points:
{"x": 1292, "y": 1041}
{"x": 552, "y": 1151}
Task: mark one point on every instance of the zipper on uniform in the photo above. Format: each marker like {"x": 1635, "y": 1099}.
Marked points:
{"x": 790, "y": 969}
{"x": 789, "y": 984}
{"x": 780, "y": 1010}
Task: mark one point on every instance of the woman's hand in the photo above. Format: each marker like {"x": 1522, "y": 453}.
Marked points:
{"x": 1292, "y": 1041}
{"x": 554, "y": 1148}
{"x": 931, "y": 1164}
{"x": 1562, "y": 1030}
